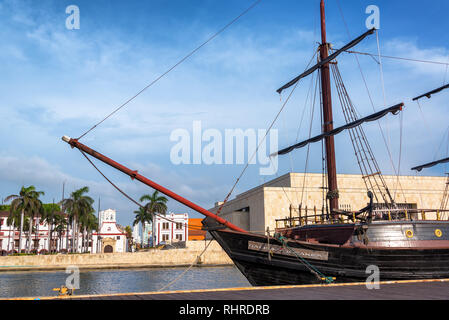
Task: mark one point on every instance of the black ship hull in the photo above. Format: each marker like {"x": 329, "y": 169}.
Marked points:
{"x": 266, "y": 261}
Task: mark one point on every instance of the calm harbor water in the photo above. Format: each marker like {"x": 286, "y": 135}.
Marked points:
{"x": 39, "y": 284}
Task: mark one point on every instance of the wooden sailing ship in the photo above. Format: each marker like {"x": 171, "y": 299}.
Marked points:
{"x": 341, "y": 245}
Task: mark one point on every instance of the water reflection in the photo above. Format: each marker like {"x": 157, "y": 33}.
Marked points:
{"x": 33, "y": 284}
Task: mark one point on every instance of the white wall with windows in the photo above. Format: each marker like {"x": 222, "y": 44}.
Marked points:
{"x": 41, "y": 239}
{"x": 173, "y": 228}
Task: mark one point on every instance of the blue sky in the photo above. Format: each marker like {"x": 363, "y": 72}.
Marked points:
{"x": 55, "y": 82}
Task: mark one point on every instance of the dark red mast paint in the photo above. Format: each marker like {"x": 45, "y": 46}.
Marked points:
{"x": 135, "y": 175}
{"x": 328, "y": 124}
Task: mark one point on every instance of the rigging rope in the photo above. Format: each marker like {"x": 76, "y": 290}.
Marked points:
{"x": 397, "y": 58}
{"x": 309, "y": 95}
{"x": 173, "y": 67}
{"x": 255, "y": 152}
{"x": 310, "y": 132}
{"x": 312, "y": 107}
{"x": 283, "y": 189}
{"x": 302, "y": 117}
{"x": 445, "y": 136}
{"x": 365, "y": 157}
{"x": 169, "y": 220}
{"x": 400, "y": 153}
{"x": 320, "y": 276}
{"x": 381, "y": 69}
{"x": 260, "y": 144}
{"x": 324, "y": 171}
{"x": 186, "y": 270}
{"x": 445, "y": 73}
{"x": 128, "y": 197}
{"x": 371, "y": 99}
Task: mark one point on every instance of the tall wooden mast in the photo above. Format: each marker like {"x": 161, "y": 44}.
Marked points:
{"x": 328, "y": 124}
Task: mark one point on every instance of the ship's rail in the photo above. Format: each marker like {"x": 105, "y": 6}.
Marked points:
{"x": 318, "y": 216}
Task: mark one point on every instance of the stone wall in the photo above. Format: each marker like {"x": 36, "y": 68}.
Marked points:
{"x": 153, "y": 258}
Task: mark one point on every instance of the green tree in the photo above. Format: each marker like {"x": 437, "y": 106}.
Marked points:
{"x": 52, "y": 216}
{"x": 89, "y": 222}
{"x": 60, "y": 225}
{"x": 141, "y": 217}
{"x": 78, "y": 205}
{"x": 155, "y": 204}
{"x": 27, "y": 203}
{"x": 129, "y": 237}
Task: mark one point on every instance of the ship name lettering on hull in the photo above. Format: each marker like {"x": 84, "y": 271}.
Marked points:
{"x": 275, "y": 249}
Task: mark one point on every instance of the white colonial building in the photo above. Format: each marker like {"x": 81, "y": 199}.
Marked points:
{"x": 42, "y": 241}
{"x": 110, "y": 238}
{"x": 173, "y": 228}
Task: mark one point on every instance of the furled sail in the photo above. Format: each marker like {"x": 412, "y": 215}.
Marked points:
{"x": 329, "y": 59}
{"x": 430, "y": 165}
{"x": 394, "y": 110}
{"x": 429, "y": 94}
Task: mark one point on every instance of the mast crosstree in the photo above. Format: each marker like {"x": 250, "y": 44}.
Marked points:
{"x": 370, "y": 170}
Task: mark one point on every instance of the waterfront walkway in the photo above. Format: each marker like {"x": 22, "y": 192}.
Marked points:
{"x": 397, "y": 290}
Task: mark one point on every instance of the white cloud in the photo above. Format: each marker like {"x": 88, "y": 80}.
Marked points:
{"x": 65, "y": 82}
{"x": 409, "y": 49}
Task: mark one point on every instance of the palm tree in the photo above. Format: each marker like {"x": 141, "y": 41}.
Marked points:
{"x": 141, "y": 217}
{"x": 92, "y": 226}
{"x": 11, "y": 231}
{"x": 129, "y": 237}
{"x": 60, "y": 226}
{"x": 37, "y": 214}
{"x": 51, "y": 216}
{"x": 78, "y": 205}
{"x": 155, "y": 204}
{"x": 89, "y": 222}
{"x": 26, "y": 230}
{"x": 26, "y": 202}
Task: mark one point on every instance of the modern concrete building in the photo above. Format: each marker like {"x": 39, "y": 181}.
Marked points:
{"x": 258, "y": 208}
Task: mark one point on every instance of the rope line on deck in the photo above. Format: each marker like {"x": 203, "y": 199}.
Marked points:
{"x": 312, "y": 268}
